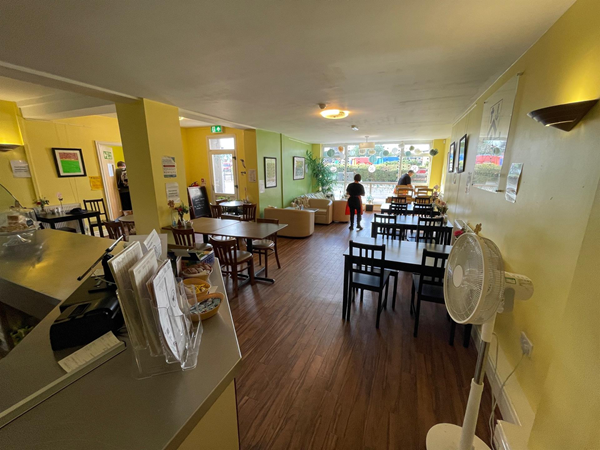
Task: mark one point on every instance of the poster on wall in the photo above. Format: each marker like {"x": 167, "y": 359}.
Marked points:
{"x": 493, "y": 136}
{"x": 69, "y": 162}
{"x": 95, "y": 183}
{"x": 462, "y": 154}
{"x": 169, "y": 167}
{"x": 173, "y": 192}
{"x": 299, "y": 168}
{"x": 270, "y": 172}
{"x": 20, "y": 168}
{"x": 512, "y": 181}
{"x": 251, "y": 175}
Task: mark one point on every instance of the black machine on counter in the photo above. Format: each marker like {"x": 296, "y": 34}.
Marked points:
{"x": 91, "y": 311}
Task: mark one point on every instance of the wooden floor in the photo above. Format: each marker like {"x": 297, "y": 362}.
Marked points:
{"x": 309, "y": 380}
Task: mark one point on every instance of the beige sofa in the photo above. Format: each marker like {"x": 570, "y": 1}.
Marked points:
{"x": 339, "y": 211}
{"x": 300, "y": 223}
{"x": 324, "y": 206}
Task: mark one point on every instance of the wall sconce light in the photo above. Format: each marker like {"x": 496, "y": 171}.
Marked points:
{"x": 564, "y": 117}
{"x": 8, "y": 147}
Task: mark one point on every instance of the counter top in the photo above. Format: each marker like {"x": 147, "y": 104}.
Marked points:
{"x": 110, "y": 409}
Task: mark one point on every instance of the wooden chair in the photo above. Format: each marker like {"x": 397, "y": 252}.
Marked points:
{"x": 233, "y": 261}
{"x": 387, "y": 232}
{"x": 96, "y": 205}
{"x": 248, "y": 212}
{"x": 184, "y": 236}
{"x": 267, "y": 246}
{"x": 429, "y": 230}
{"x": 401, "y": 199}
{"x": 216, "y": 211}
{"x": 398, "y": 209}
{"x": 423, "y": 200}
{"x": 367, "y": 273}
{"x": 428, "y": 285}
{"x": 128, "y": 228}
{"x": 115, "y": 229}
{"x": 423, "y": 191}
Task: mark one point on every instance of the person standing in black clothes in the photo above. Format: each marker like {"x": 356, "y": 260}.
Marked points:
{"x": 123, "y": 186}
{"x": 355, "y": 191}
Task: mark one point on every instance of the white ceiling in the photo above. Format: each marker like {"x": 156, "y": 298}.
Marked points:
{"x": 406, "y": 69}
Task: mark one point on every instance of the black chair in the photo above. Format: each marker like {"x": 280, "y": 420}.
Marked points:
{"x": 387, "y": 220}
{"x": 96, "y": 205}
{"x": 422, "y": 210}
{"x": 398, "y": 209}
{"x": 430, "y": 230}
{"x": 367, "y": 273}
{"x": 428, "y": 285}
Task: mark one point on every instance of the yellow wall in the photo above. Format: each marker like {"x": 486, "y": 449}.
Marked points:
{"x": 118, "y": 153}
{"x": 195, "y": 144}
{"x": 9, "y": 127}
{"x": 438, "y": 162}
{"x": 80, "y": 132}
{"x": 541, "y": 234}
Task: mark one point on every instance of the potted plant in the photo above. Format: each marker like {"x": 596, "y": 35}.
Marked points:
{"x": 42, "y": 202}
{"x": 323, "y": 177}
{"x": 442, "y": 208}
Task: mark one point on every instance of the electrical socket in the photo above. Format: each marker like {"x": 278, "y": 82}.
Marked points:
{"x": 526, "y": 345}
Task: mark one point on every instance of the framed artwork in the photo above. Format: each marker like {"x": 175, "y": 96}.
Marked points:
{"x": 462, "y": 154}
{"x": 451, "y": 155}
{"x": 299, "y": 168}
{"x": 270, "y": 172}
{"x": 493, "y": 136}
{"x": 69, "y": 162}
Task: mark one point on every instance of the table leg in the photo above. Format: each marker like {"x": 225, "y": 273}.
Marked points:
{"x": 205, "y": 238}
{"x": 262, "y": 269}
{"x": 53, "y": 225}
{"x": 81, "y": 227}
{"x": 345, "y": 304}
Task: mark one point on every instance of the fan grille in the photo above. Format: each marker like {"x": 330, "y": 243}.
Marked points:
{"x": 474, "y": 281}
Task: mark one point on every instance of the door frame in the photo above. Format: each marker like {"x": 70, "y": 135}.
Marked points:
{"x": 104, "y": 181}
{"x": 234, "y": 163}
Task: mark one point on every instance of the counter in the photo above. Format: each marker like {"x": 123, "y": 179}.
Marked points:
{"x": 109, "y": 409}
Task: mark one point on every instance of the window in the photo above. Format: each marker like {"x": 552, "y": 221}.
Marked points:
{"x": 222, "y": 166}
{"x": 378, "y": 166}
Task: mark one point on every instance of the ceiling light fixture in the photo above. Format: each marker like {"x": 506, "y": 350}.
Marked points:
{"x": 332, "y": 113}
{"x": 354, "y": 128}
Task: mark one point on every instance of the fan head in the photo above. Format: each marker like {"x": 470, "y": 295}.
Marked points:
{"x": 474, "y": 280}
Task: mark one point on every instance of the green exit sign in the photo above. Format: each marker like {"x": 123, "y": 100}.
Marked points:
{"x": 216, "y": 129}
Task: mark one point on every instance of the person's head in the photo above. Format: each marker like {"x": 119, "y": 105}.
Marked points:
{"x": 411, "y": 173}
{"x": 121, "y": 164}
{"x": 357, "y": 178}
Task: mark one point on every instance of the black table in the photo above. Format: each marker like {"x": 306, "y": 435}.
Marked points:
{"x": 403, "y": 256}
{"x": 385, "y": 208}
{"x": 404, "y": 223}
{"x": 53, "y": 219}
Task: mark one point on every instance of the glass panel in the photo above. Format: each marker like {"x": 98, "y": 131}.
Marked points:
{"x": 421, "y": 165}
{"x": 334, "y": 158}
{"x": 224, "y": 143}
{"x": 222, "y": 165}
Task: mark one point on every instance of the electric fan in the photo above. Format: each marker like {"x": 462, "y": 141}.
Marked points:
{"x": 476, "y": 287}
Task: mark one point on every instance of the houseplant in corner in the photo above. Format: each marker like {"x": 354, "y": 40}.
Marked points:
{"x": 323, "y": 177}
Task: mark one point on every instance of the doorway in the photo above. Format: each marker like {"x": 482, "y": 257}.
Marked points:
{"x": 222, "y": 163}
{"x": 108, "y": 169}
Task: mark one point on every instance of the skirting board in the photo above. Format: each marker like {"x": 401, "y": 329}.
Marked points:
{"x": 513, "y": 431}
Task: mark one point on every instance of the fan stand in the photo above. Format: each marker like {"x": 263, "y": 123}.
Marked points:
{"x": 446, "y": 436}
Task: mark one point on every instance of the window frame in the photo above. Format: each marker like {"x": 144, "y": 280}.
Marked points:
{"x": 232, "y": 152}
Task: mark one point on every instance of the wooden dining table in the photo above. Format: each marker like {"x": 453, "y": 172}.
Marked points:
{"x": 237, "y": 229}
{"x": 403, "y": 256}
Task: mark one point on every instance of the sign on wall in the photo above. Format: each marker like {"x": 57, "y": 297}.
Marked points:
{"x": 20, "y": 168}
{"x": 216, "y": 129}
{"x": 493, "y": 136}
{"x": 169, "y": 167}
{"x": 95, "y": 183}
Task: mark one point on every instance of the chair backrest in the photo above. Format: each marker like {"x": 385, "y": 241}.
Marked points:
{"x": 96, "y": 205}
{"x": 216, "y": 211}
{"x": 367, "y": 259}
{"x": 223, "y": 200}
{"x": 432, "y": 270}
{"x": 184, "y": 236}
{"x": 225, "y": 250}
{"x": 423, "y": 200}
{"x": 115, "y": 229}
{"x": 385, "y": 219}
{"x": 432, "y": 231}
{"x": 128, "y": 228}
{"x": 248, "y": 212}
{"x": 402, "y": 199}
{"x": 272, "y": 237}
{"x": 423, "y": 190}
{"x": 422, "y": 210}
{"x": 398, "y": 208}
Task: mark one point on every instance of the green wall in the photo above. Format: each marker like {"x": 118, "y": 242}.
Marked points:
{"x": 269, "y": 144}
{"x": 293, "y": 188}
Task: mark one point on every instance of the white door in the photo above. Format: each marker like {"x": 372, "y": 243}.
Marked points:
{"x": 223, "y": 168}
{"x": 108, "y": 170}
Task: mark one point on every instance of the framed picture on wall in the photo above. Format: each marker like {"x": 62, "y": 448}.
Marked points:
{"x": 451, "y": 156}
{"x": 270, "y": 172}
{"x": 299, "y": 168}
{"x": 69, "y": 162}
{"x": 462, "y": 154}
